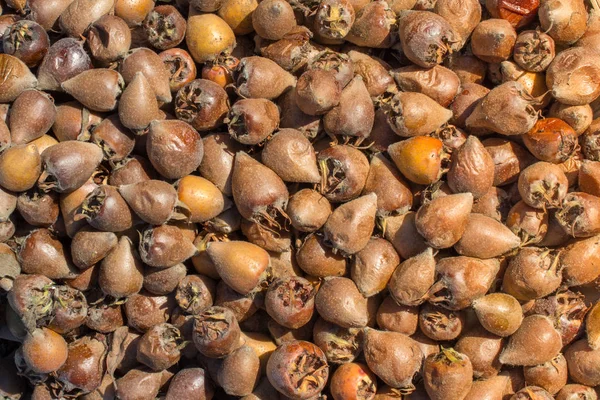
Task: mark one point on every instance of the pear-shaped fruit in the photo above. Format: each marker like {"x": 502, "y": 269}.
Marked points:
{"x": 90, "y": 246}
{"x": 259, "y": 200}
{"x": 97, "y": 89}
{"x": 153, "y": 201}
{"x": 15, "y": 77}
{"x": 68, "y": 165}
{"x": 461, "y": 280}
{"x": 484, "y": 237}
{"x": 472, "y": 169}
{"x": 350, "y": 226}
{"x": 499, "y": 313}
{"x": 31, "y": 116}
{"x": 443, "y": 220}
{"x": 592, "y": 326}
{"x": 174, "y": 148}
{"x": 393, "y": 357}
{"x": 259, "y": 77}
{"x": 241, "y": 265}
{"x": 138, "y": 106}
{"x": 412, "y": 279}
{"x": 339, "y": 301}
{"x": 291, "y": 155}
{"x": 165, "y": 246}
{"x": 384, "y": 179}
{"x": 402, "y": 233}
{"x": 535, "y": 342}
{"x": 121, "y": 271}
{"x": 150, "y": 64}
{"x": 415, "y": 114}
{"x": 355, "y": 114}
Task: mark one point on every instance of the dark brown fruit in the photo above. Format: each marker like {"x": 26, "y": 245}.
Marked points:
{"x": 174, "y": 148}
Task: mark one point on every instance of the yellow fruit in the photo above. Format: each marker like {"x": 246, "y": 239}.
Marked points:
{"x": 208, "y": 36}
{"x": 238, "y": 14}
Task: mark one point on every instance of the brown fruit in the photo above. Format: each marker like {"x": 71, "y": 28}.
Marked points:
{"x": 41, "y": 252}
{"x": 499, "y": 313}
{"x": 106, "y": 52}
{"x": 551, "y": 376}
{"x": 439, "y": 324}
{"x": 439, "y": 83}
{"x": 415, "y": 114}
{"x": 318, "y": 260}
{"x": 482, "y": 349}
{"x": 16, "y": 78}
{"x": 493, "y": 40}
{"x": 217, "y": 163}
{"x": 395, "y": 358}
{"x": 354, "y": 115}
{"x": 260, "y": 77}
{"x": 291, "y": 155}
{"x": 582, "y": 362}
{"x": 190, "y": 383}
{"x": 447, "y": 375}
{"x": 443, "y": 220}
{"x": 106, "y": 210}
{"x": 97, "y": 89}
{"x": 397, "y": 318}
{"x": 20, "y": 167}
{"x": 483, "y": 229}
{"x": 508, "y": 109}
{"x": 572, "y": 76}
{"x": 121, "y": 271}
{"x": 150, "y": 64}
{"x": 259, "y": 201}
{"x": 375, "y": 26}
{"x": 426, "y": 38}
{"x": 349, "y": 228}
{"x": 84, "y": 367}
{"x": 216, "y": 332}
{"x": 573, "y": 391}
{"x": 532, "y": 273}
{"x": 580, "y": 262}
{"x": 174, "y": 148}
{"x": 298, "y": 370}
{"x": 252, "y": 121}
{"x": 339, "y": 301}
{"x": 472, "y": 169}
{"x": 401, "y": 232}
{"x": 308, "y": 210}
{"x": 535, "y": 342}
{"x": 26, "y": 125}
{"x": 344, "y": 172}
{"x": 74, "y": 23}
{"x": 158, "y": 348}
{"x": 373, "y": 266}
{"x": 543, "y": 185}
{"x": 462, "y": 280}
{"x": 138, "y": 106}
{"x": 579, "y": 215}
{"x": 65, "y": 59}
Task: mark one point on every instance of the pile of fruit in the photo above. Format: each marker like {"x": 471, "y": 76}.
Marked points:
{"x": 300, "y": 199}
